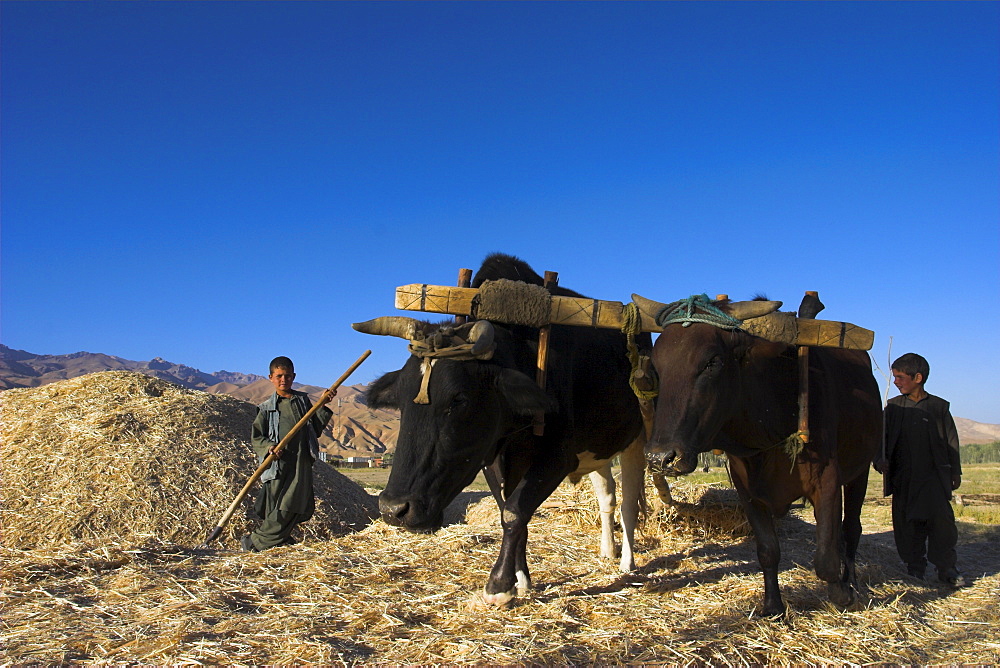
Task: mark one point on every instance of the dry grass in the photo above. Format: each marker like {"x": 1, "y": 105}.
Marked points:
{"x": 381, "y": 595}
{"x": 118, "y": 457}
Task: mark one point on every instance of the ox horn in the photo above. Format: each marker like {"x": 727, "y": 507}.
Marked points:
{"x": 481, "y": 337}
{"x": 753, "y": 309}
{"x": 738, "y": 310}
{"x": 648, "y": 310}
{"x": 391, "y": 325}
{"x": 647, "y": 306}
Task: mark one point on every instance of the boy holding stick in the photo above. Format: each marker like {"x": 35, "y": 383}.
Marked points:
{"x": 286, "y": 498}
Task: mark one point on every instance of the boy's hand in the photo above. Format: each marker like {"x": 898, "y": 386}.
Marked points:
{"x": 956, "y": 481}
{"x": 327, "y": 397}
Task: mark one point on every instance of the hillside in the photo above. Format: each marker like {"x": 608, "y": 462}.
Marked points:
{"x": 19, "y": 368}
{"x": 355, "y": 430}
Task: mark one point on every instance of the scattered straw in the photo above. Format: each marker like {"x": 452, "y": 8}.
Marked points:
{"x": 386, "y": 596}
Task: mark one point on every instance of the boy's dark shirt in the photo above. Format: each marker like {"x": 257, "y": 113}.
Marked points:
{"x": 922, "y": 452}
{"x": 294, "y": 479}
{"x": 297, "y": 496}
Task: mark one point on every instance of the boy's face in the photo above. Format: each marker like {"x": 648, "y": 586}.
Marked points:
{"x": 905, "y": 383}
{"x": 282, "y": 379}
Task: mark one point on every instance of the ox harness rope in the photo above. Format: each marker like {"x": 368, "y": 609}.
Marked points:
{"x": 445, "y": 343}
{"x": 642, "y": 383}
{"x": 684, "y": 312}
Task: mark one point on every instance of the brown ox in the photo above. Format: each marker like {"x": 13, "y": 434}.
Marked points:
{"x": 723, "y": 388}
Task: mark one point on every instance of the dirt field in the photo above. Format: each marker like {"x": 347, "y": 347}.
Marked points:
{"x": 384, "y": 596}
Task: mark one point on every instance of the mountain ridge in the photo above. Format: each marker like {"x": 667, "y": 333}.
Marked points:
{"x": 355, "y": 430}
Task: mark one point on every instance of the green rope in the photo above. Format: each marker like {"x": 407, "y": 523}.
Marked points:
{"x": 632, "y": 325}
{"x": 696, "y": 308}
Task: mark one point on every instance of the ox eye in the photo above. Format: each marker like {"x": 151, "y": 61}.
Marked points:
{"x": 713, "y": 364}
{"x": 458, "y": 402}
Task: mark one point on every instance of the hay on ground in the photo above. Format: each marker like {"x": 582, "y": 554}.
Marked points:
{"x": 120, "y": 458}
{"x": 386, "y": 596}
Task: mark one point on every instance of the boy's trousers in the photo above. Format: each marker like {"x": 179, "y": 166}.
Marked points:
{"x": 920, "y": 541}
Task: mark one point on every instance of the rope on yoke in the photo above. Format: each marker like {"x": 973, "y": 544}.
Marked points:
{"x": 696, "y": 308}
{"x": 631, "y": 326}
{"x": 442, "y": 344}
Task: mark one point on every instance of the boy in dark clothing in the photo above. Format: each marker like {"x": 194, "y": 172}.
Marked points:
{"x": 286, "y": 497}
{"x": 921, "y": 466}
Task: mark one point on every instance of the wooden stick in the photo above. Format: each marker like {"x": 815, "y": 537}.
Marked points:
{"x": 276, "y": 452}
{"x": 804, "y": 376}
{"x": 464, "y": 281}
{"x": 541, "y": 370}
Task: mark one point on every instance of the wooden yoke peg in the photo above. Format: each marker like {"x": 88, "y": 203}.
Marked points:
{"x": 538, "y": 423}
{"x": 464, "y": 281}
{"x": 810, "y": 306}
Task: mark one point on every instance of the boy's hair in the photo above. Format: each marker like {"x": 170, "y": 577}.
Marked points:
{"x": 911, "y": 364}
{"x": 281, "y": 362}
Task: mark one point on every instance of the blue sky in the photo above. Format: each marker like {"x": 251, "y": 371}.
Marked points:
{"x": 219, "y": 183}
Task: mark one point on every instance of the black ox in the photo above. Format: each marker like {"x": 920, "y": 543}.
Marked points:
{"x": 479, "y": 413}
{"x": 722, "y": 388}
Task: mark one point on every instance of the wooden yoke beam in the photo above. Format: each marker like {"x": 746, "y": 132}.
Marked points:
{"x": 584, "y": 312}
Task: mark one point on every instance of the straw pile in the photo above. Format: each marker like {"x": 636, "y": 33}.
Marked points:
{"x": 119, "y": 458}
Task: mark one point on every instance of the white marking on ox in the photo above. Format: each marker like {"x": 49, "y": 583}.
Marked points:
{"x": 633, "y": 466}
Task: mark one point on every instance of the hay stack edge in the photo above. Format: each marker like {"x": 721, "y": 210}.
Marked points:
{"x": 118, "y": 457}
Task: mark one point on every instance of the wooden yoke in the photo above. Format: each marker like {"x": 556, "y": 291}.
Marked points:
{"x": 584, "y": 312}
{"x": 541, "y": 370}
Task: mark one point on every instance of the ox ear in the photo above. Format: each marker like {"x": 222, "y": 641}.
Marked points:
{"x": 383, "y": 393}
{"x": 523, "y": 394}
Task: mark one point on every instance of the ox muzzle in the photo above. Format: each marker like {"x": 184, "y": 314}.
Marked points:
{"x": 670, "y": 461}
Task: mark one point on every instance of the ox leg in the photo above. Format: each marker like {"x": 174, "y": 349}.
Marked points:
{"x": 510, "y": 576}
{"x": 633, "y": 463}
{"x": 854, "y": 499}
{"x": 762, "y": 523}
{"x": 494, "y": 480}
{"x": 768, "y": 554}
{"x": 604, "y": 490}
{"x": 831, "y": 562}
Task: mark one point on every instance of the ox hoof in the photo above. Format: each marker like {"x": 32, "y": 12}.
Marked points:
{"x": 498, "y": 600}
{"x": 771, "y": 608}
{"x": 841, "y": 594}
{"x": 522, "y": 585}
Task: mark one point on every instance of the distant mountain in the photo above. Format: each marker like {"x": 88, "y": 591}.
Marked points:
{"x": 970, "y": 431}
{"x": 19, "y": 368}
{"x": 355, "y": 429}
